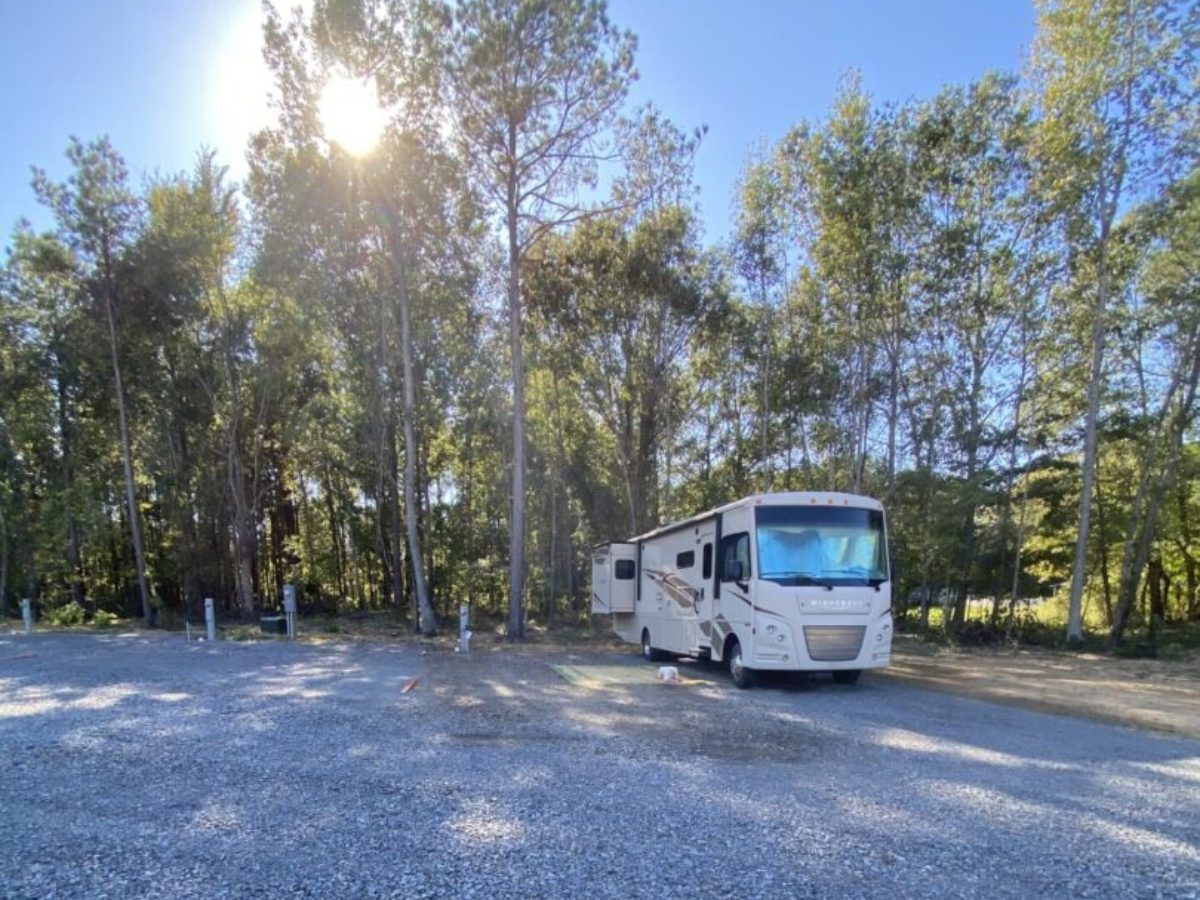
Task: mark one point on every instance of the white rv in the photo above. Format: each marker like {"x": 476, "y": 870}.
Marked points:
{"x": 795, "y": 581}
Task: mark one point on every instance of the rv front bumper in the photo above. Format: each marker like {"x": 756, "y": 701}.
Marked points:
{"x": 846, "y": 643}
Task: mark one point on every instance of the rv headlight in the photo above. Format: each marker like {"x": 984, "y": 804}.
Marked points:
{"x": 771, "y": 629}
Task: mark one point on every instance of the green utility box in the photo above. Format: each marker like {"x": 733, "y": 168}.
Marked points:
{"x": 273, "y": 624}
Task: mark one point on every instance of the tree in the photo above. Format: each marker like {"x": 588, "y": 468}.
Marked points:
{"x": 760, "y": 249}
{"x": 535, "y": 85}
{"x": 1116, "y": 82}
{"x": 97, "y": 217}
{"x": 1167, "y": 331}
{"x": 623, "y": 303}
{"x": 229, "y": 315}
{"x": 975, "y": 263}
{"x": 388, "y": 45}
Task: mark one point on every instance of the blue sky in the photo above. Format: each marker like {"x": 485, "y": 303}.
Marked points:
{"x": 163, "y": 77}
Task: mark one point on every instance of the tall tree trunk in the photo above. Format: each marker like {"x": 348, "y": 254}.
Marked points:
{"x": 3, "y": 562}
{"x": 191, "y": 578}
{"x": 516, "y": 538}
{"x": 115, "y": 560}
{"x": 553, "y": 538}
{"x": 186, "y": 512}
{"x": 968, "y": 522}
{"x": 243, "y": 539}
{"x": 1160, "y": 587}
{"x": 388, "y": 520}
{"x": 66, "y": 440}
{"x": 1009, "y": 486}
{"x": 426, "y": 621}
{"x": 335, "y": 538}
{"x": 646, "y": 454}
{"x": 393, "y": 463}
{"x": 135, "y": 526}
{"x": 73, "y": 562}
{"x": 1183, "y": 543}
{"x": 1088, "y": 473}
{"x": 766, "y": 391}
{"x": 1105, "y": 583}
{"x": 244, "y": 543}
{"x": 1019, "y": 544}
{"x": 893, "y": 417}
{"x": 560, "y": 459}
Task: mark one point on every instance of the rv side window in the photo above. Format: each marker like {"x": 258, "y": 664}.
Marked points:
{"x": 706, "y": 571}
{"x": 685, "y": 560}
{"x": 735, "y": 548}
{"x": 624, "y": 570}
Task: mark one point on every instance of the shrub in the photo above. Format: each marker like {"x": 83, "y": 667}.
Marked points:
{"x": 1136, "y": 650}
{"x": 104, "y": 619}
{"x": 1172, "y": 652}
{"x": 65, "y": 616}
{"x": 975, "y": 633}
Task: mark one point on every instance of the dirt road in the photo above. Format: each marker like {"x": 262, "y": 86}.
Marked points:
{"x": 1162, "y": 696}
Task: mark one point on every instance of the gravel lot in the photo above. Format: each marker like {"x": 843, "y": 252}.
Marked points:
{"x": 141, "y": 766}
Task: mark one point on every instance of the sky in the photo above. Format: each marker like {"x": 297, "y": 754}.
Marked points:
{"x": 163, "y": 78}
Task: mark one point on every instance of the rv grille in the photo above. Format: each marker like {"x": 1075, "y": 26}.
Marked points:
{"x": 834, "y": 643}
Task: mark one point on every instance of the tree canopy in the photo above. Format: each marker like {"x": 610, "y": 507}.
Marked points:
{"x": 439, "y": 372}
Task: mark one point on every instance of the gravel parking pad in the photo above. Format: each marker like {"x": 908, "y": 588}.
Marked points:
{"x": 142, "y": 766}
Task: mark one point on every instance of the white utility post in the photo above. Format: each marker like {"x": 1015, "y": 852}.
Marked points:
{"x": 210, "y": 618}
{"x": 289, "y": 609}
{"x": 27, "y": 614}
{"x": 464, "y": 629}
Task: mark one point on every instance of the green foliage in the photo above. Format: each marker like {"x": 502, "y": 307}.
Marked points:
{"x": 905, "y": 309}
{"x": 66, "y": 616}
{"x": 103, "y": 619}
{"x": 1172, "y": 652}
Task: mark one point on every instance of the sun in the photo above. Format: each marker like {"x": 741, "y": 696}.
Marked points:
{"x": 351, "y": 115}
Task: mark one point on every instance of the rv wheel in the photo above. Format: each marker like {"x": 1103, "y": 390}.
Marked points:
{"x": 650, "y": 654}
{"x": 847, "y": 676}
{"x": 743, "y": 676}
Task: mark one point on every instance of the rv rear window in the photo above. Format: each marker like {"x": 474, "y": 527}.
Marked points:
{"x": 624, "y": 570}
{"x": 685, "y": 560}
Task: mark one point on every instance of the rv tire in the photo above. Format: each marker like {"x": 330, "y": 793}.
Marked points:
{"x": 649, "y": 653}
{"x": 743, "y": 676}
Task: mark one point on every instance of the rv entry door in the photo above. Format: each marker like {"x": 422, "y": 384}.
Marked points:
{"x": 703, "y": 586}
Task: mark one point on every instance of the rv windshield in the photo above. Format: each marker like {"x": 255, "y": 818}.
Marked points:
{"x": 821, "y": 545}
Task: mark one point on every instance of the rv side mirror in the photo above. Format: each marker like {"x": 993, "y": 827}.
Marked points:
{"x": 733, "y": 571}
